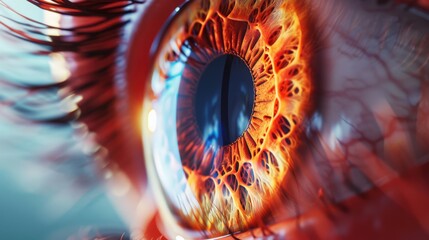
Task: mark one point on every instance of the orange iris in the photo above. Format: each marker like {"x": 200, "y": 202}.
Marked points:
{"x": 227, "y": 188}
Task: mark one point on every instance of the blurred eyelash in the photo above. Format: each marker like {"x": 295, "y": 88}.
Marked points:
{"x": 96, "y": 35}
{"x": 110, "y": 15}
{"x": 87, "y": 8}
{"x": 31, "y": 99}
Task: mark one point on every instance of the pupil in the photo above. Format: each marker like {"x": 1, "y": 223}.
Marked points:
{"x": 224, "y": 100}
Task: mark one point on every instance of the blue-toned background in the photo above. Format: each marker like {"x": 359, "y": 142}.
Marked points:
{"x": 48, "y": 183}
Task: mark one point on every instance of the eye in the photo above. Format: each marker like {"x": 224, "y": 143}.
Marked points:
{"x": 363, "y": 130}
{"x": 215, "y": 61}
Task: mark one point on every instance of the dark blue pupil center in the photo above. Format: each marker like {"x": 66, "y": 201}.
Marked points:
{"x": 224, "y": 100}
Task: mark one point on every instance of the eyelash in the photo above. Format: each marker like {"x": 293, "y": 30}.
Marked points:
{"x": 97, "y": 39}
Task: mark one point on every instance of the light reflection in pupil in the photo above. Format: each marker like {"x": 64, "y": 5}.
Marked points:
{"x": 224, "y": 100}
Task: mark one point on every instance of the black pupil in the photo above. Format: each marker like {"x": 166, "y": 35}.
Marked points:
{"x": 224, "y": 100}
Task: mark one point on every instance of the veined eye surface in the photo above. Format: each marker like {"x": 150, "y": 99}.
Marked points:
{"x": 215, "y": 178}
